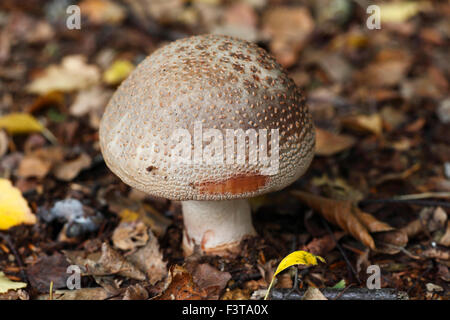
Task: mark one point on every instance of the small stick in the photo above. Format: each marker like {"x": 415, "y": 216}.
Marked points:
{"x": 341, "y": 250}
{"x": 8, "y": 241}
{"x": 335, "y": 294}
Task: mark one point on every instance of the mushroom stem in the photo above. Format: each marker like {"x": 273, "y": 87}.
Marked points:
{"x": 217, "y": 227}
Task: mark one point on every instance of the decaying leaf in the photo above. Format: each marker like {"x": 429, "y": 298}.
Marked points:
{"x": 135, "y": 292}
{"x": 48, "y": 269}
{"x": 68, "y": 170}
{"x": 313, "y": 294}
{"x": 80, "y": 294}
{"x": 211, "y": 280}
{"x": 106, "y": 262}
{"x": 328, "y": 143}
{"x": 351, "y": 219}
{"x": 149, "y": 260}
{"x": 72, "y": 74}
{"x": 14, "y": 209}
{"x": 6, "y": 284}
{"x": 181, "y": 286}
{"x": 130, "y": 235}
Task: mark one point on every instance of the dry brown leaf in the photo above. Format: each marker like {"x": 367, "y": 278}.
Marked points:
{"x": 364, "y": 123}
{"x": 313, "y": 294}
{"x": 328, "y": 143}
{"x": 72, "y": 74}
{"x": 346, "y": 215}
{"x": 149, "y": 260}
{"x": 80, "y": 294}
{"x": 289, "y": 28}
{"x": 48, "y": 269}
{"x": 68, "y": 170}
{"x": 32, "y": 166}
{"x": 321, "y": 246}
{"x": 106, "y": 262}
{"x": 211, "y": 280}
{"x": 181, "y": 286}
{"x": 136, "y": 292}
{"x": 130, "y": 235}
{"x": 445, "y": 240}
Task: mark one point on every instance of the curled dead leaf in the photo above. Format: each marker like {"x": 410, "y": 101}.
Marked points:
{"x": 352, "y": 220}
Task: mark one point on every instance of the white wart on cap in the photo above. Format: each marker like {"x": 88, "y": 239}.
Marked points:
{"x": 215, "y": 83}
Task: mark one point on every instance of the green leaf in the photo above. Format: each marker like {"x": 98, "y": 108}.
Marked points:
{"x": 339, "y": 285}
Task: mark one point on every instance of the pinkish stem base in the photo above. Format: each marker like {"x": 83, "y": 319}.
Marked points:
{"x": 217, "y": 227}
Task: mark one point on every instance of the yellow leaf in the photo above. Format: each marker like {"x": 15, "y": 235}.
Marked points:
{"x": 17, "y": 123}
{"x": 399, "y": 11}
{"x": 6, "y": 284}
{"x": 296, "y": 257}
{"x": 127, "y": 215}
{"x": 14, "y": 209}
{"x": 117, "y": 72}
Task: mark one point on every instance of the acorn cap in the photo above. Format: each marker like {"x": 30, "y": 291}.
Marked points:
{"x": 202, "y": 86}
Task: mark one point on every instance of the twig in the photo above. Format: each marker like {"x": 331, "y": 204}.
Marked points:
{"x": 341, "y": 250}
{"x": 8, "y": 241}
{"x": 336, "y": 294}
{"x": 428, "y": 203}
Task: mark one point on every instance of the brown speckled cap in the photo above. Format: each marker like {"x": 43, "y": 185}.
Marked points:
{"x": 222, "y": 83}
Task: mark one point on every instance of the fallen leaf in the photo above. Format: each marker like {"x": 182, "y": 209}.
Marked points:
{"x": 328, "y": 143}
{"x": 321, "y": 246}
{"x": 289, "y": 29}
{"x": 4, "y": 142}
{"x": 106, "y": 262}
{"x": 211, "y": 280}
{"x": 72, "y": 74}
{"x": 6, "y": 284}
{"x": 364, "y": 123}
{"x": 181, "y": 286}
{"x": 68, "y": 170}
{"x": 445, "y": 239}
{"x": 32, "y": 166}
{"x": 102, "y": 11}
{"x": 14, "y": 208}
{"x": 313, "y": 294}
{"x": 90, "y": 100}
{"x": 20, "y": 123}
{"x": 48, "y": 269}
{"x": 136, "y": 292}
{"x": 117, "y": 72}
{"x": 80, "y": 294}
{"x": 294, "y": 258}
{"x": 346, "y": 215}
{"x": 398, "y": 11}
{"x": 149, "y": 260}
{"x": 130, "y": 235}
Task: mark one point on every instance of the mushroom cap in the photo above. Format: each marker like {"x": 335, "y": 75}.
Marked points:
{"x": 213, "y": 83}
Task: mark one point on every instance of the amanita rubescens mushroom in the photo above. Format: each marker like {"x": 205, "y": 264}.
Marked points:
{"x": 209, "y": 121}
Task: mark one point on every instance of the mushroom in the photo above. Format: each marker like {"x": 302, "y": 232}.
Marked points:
{"x": 209, "y": 121}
